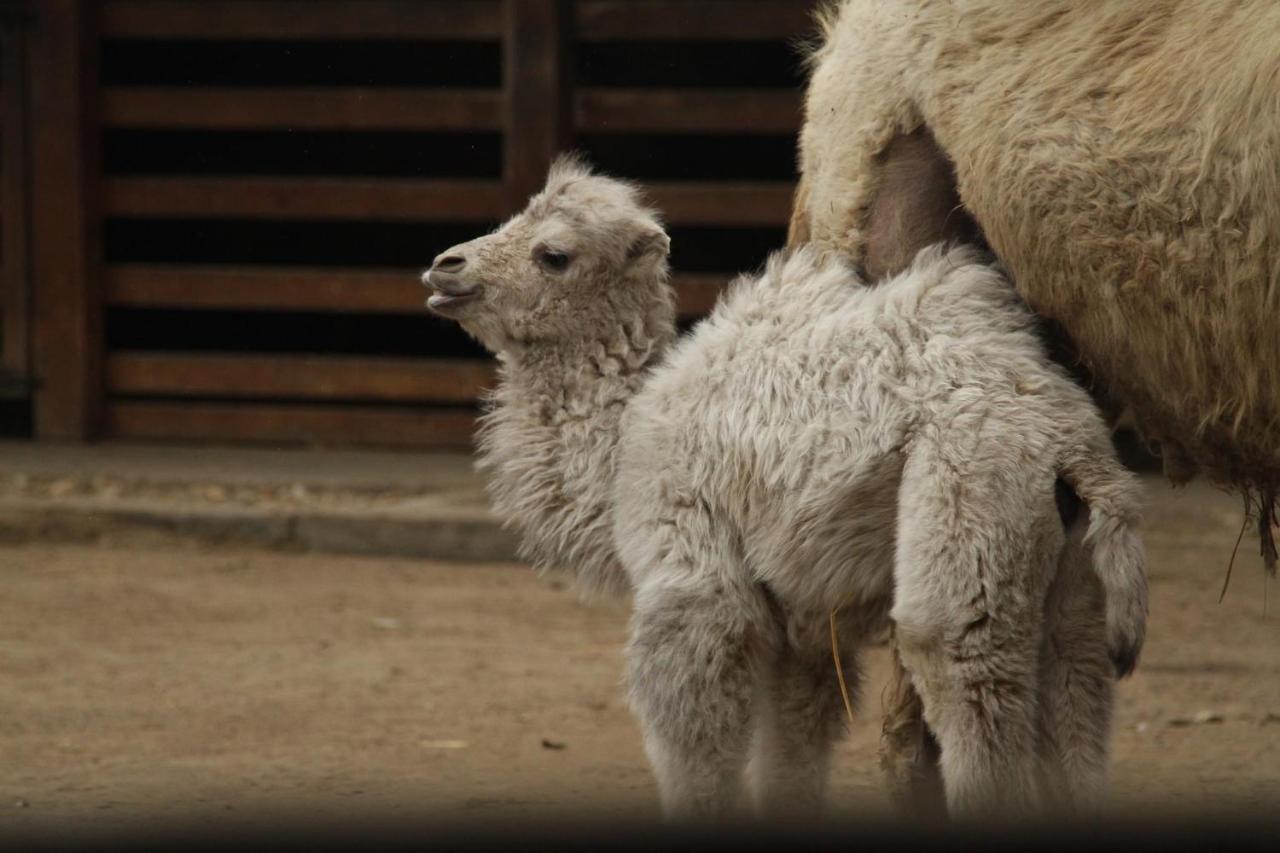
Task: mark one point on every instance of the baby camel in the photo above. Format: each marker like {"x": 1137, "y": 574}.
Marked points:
{"x": 816, "y": 444}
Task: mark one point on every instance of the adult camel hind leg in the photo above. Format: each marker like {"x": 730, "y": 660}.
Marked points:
{"x": 915, "y": 205}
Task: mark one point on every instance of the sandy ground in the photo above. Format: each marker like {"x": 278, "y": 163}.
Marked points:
{"x": 145, "y": 681}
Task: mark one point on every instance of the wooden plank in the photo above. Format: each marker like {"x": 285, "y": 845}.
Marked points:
{"x": 696, "y": 294}
{"x": 724, "y": 204}
{"x": 341, "y": 425}
{"x": 688, "y": 111}
{"x": 536, "y": 69}
{"x": 298, "y": 108}
{"x": 298, "y": 377}
{"x": 265, "y": 288}
{"x": 693, "y": 20}
{"x": 65, "y": 226}
{"x": 297, "y": 20}
{"x": 15, "y": 305}
{"x": 322, "y": 289}
{"x": 709, "y": 203}
{"x": 305, "y": 198}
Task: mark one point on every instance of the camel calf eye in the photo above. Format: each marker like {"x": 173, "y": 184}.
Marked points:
{"x": 554, "y": 260}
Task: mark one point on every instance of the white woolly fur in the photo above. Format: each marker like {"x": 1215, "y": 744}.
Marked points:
{"x": 815, "y": 444}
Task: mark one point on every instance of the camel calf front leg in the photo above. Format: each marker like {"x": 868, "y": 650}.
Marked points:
{"x": 700, "y": 641}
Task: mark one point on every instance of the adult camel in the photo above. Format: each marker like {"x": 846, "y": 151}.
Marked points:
{"x": 1122, "y": 158}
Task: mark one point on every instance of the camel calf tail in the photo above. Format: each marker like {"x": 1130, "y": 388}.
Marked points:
{"x": 1112, "y": 494}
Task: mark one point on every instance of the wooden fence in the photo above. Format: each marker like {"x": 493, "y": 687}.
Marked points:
{"x": 218, "y": 209}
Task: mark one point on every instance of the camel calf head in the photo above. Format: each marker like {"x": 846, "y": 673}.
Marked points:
{"x": 585, "y": 251}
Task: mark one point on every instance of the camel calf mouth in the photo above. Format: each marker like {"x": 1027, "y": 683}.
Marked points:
{"x": 446, "y": 305}
{"x": 449, "y": 293}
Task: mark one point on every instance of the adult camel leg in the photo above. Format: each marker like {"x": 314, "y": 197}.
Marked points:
{"x": 915, "y": 206}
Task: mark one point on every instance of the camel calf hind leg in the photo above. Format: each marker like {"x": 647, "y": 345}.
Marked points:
{"x": 973, "y": 565}
{"x": 979, "y": 696}
{"x": 802, "y": 715}
{"x": 1076, "y": 683}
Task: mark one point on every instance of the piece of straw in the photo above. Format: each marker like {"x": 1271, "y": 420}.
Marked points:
{"x": 1232, "y": 561}
{"x": 835, "y": 656}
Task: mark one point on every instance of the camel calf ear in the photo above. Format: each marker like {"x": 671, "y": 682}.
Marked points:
{"x": 652, "y": 245}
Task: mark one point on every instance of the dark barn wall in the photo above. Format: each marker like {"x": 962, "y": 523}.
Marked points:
{"x": 262, "y": 180}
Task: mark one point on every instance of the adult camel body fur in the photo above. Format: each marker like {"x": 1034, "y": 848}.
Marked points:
{"x": 1122, "y": 157}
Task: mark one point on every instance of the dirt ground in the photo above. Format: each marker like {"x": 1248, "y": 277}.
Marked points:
{"x": 141, "y": 681}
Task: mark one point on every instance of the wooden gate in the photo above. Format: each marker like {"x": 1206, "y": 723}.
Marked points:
{"x": 260, "y": 182}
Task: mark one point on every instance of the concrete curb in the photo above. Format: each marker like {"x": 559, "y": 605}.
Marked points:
{"x": 462, "y": 535}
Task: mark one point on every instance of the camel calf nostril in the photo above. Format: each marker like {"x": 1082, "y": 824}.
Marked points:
{"x": 449, "y": 263}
